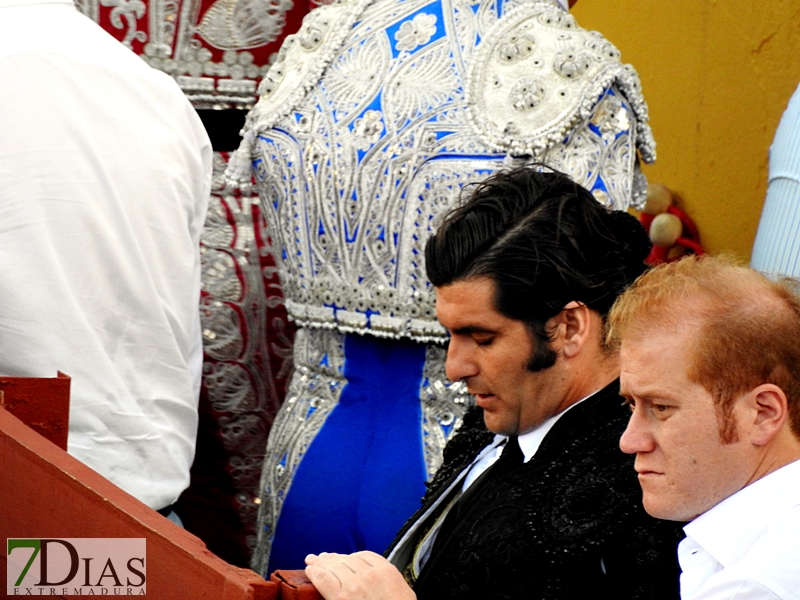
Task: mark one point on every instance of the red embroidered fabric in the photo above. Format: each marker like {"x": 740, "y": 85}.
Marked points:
{"x": 217, "y": 50}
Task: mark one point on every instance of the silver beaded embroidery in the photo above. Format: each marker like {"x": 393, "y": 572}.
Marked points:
{"x": 235, "y": 26}
{"x": 243, "y": 23}
{"x": 443, "y": 406}
{"x": 537, "y": 75}
{"x": 313, "y": 392}
{"x": 236, "y": 310}
{"x": 357, "y": 170}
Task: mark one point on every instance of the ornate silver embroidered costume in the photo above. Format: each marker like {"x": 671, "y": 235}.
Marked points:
{"x": 356, "y": 171}
{"x": 373, "y": 119}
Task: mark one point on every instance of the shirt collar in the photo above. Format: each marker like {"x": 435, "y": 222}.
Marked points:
{"x": 729, "y": 529}
{"x": 529, "y": 442}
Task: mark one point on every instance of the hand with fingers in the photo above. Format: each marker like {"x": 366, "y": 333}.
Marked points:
{"x": 359, "y": 576}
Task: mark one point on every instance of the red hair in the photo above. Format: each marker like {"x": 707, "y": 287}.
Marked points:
{"x": 748, "y": 327}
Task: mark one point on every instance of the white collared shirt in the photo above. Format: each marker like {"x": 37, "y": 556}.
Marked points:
{"x": 105, "y": 176}
{"x": 747, "y": 547}
{"x": 528, "y": 443}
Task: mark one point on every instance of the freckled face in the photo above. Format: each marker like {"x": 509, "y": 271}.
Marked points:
{"x": 684, "y": 468}
{"x": 490, "y": 352}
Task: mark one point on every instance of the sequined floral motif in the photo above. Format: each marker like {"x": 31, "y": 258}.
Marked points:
{"x": 368, "y": 129}
{"x": 516, "y": 48}
{"x": 610, "y": 118}
{"x": 526, "y": 94}
{"x": 243, "y": 23}
{"x": 416, "y": 32}
{"x": 572, "y": 64}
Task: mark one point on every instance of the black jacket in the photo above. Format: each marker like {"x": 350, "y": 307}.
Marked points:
{"x": 544, "y": 530}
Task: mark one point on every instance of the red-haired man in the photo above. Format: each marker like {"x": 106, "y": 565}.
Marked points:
{"x": 710, "y": 364}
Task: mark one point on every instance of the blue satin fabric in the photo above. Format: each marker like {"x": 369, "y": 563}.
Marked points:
{"x": 364, "y": 473}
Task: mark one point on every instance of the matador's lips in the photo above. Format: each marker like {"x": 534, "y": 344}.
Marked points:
{"x": 483, "y": 400}
{"x": 642, "y": 472}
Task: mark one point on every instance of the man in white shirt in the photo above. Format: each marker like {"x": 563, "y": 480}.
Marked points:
{"x": 105, "y": 172}
{"x": 710, "y": 364}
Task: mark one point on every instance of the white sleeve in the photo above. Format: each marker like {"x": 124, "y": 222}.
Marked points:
{"x": 777, "y": 246}
{"x": 720, "y": 587}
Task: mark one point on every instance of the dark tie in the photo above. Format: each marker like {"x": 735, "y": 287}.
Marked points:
{"x": 509, "y": 460}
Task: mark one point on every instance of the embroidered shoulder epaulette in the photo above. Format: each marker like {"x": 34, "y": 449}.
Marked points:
{"x": 378, "y": 113}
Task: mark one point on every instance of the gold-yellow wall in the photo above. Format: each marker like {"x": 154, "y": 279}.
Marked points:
{"x": 717, "y": 75}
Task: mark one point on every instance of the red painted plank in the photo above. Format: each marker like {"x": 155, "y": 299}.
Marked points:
{"x": 295, "y": 585}
{"x": 42, "y": 403}
{"x": 45, "y": 493}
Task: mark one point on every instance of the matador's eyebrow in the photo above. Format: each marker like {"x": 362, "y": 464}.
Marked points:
{"x": 471, "y": 329}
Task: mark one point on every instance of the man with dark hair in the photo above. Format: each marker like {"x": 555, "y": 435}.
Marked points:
{"x": 710, "y": 357}
{"x": 535, "y": 500}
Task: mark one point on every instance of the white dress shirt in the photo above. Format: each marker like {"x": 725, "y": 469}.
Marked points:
{"x": 105, "y": 174}
{"x": 528, "y": 442}
{"x": 748, "y": 546}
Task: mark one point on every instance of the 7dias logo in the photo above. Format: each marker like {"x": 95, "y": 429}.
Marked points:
{"x": 76, "y": 567}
